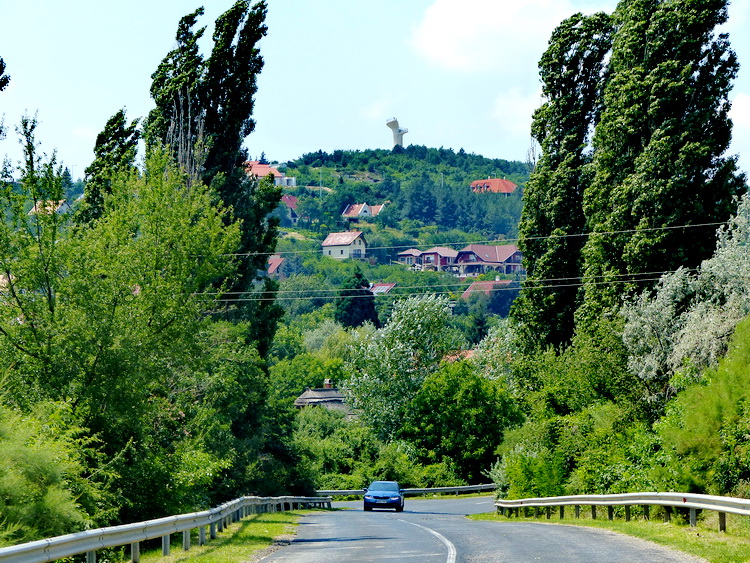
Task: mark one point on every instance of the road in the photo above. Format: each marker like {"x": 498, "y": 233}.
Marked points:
{"x": 436, "y": 531}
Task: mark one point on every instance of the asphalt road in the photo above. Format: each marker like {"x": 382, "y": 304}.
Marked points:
{"x": 436, "y": 530}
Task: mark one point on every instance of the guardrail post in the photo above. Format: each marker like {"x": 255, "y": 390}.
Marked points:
{"x": 578, "y": 510}
{"x": 536, "y": 512}
{"x": 667, "y": 514}
{"x": 627, "y": 513}
{"x": 562, "y": 512}
{"x": 212, "y": 533}
{"x": 547, "y": 512}
{"x": 135, "y": 552}
{"x": 593, "y": 512}
{"x": 610, "y": 513}
{"x": 186, "y": 540}
{"x": 646, "y": 510}
{"x": 165, "y": 545}
{"x": 722, "y": 521}
{"x": 202, "y": 535}
{"x": 692, "y": 518}
{"x": 91, "y": 557}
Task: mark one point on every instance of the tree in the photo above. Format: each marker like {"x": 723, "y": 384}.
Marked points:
{"x": 460, "y": 415}
{"x": 355, "y": 304}
{"x": 115, "y": 151}
{"x": 573, "y": 74}
{"x": 203, "y": 113}
{"x": 658, "y": 149}
{"x": 385, "y": 370}
{"x": 4, "y": 81}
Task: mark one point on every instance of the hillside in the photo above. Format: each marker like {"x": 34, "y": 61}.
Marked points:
{"x": 420, "y": 187}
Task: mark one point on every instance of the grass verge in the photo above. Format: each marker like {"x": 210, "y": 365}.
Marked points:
{"x": 704, "y": 540}
{"x": 238, "y": 543}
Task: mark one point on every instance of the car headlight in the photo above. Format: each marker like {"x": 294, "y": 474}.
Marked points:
{"x": 368, "y": 497}
{"x": 395, "y": 498}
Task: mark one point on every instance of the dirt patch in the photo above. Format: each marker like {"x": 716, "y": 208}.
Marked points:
{"x": 278, "y": 543}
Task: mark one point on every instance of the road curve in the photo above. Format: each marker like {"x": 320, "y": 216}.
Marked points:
{"x": 436, "y": 531}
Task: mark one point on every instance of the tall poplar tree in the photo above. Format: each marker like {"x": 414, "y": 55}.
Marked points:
{"x": 204, "y": 113}
{"x": 115, "y": 151}
{"x": 573, "y": 71}
{"x": 659, "y": 161}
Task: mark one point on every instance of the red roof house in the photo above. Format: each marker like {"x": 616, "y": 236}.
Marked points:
{"x": 494, "y": 185}
{"x": 348, "y": 244}
{"x": 481, "y": 258}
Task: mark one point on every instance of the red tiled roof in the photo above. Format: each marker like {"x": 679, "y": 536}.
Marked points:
{"x": 410, "y": 252}
{"x": 488, "y": 253}
{"x": 494, "y": 185}
{"x": 342, "y": 239}
{"x": 376, "y": 209}
{"x": 485, "y": 287}
{"x": 274, "y": 263}
{"x": 353, "y": 210}
{"x": 262, "y": 170}
{"x": 290, "y": 201}
{"x": 381, "y": 288}
{"x": 442, "y": 251}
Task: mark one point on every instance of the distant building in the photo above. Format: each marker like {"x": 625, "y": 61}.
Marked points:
{"x": 381, "y": 288}
{"x": 439, "y": 258}
{"x": 289, "y": 206}
{"x": 486, "y": 287}
{"x": 341, "y": 246}
{"x": 494, "y": 185}
{"x": 356, "y": 211}
{"x": 274, "y": 264}
{"x": 50, "y": 207}
{"x": 410, "y": 257}
{"x": 327, "y": 397}
{"x": 263, "y": 169}
{"x": 478, "y": 259}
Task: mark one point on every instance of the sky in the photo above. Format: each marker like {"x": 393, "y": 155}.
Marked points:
{"x": 455, "y": 74}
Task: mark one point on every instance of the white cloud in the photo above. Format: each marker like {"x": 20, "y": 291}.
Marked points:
{"x": 484, "y": 35}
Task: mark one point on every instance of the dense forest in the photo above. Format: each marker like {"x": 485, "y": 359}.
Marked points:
{"x": 149, "y": 366}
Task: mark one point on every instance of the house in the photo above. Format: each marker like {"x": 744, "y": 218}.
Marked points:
{"x": 50, "y": 207}
{"x": 274, "y": 264}
{"x": 356, "y": 211}
{"x": 341, "y": 246}
{"x": 439, "y": 258}
{"x": 381, "y": 288}
{"x": 494, "y": 185}
{"x": 289, "y": 206}
{"x": 478, "y": 259}
{"x": 486, "y": 287}
{"x": 327, "y": 397}
{"x": 262, "y": 169}
{"x": 410, "y": 257}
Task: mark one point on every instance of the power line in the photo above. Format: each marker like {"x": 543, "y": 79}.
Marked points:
{"x": 509, "y": 241}
{"x": 550, "y": 283}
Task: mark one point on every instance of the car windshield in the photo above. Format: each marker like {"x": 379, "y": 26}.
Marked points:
{"x": 384, "y": 486}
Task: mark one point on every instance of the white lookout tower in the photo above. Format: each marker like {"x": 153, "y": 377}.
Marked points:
{"x": 398, "y": 134}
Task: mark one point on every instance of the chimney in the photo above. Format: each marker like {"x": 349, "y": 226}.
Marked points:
{"x": 327, "y": 384}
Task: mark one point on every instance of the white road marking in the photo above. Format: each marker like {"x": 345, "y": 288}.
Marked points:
{"x": 441, "y": 537}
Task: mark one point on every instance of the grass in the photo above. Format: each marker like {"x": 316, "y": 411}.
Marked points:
{"x": 704, "y": 540}
{"x": 236, "y": 544}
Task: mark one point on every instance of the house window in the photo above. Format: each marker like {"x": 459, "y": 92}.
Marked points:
{"x": 342, "y": 251}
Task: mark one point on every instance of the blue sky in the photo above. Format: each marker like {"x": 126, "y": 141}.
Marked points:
{"x": 457, "y": 75}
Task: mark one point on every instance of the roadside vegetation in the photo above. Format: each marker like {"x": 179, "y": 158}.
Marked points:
{"x": 149, "y": 366}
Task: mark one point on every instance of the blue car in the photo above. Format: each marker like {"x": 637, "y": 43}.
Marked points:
{"x": 384, "y": 494}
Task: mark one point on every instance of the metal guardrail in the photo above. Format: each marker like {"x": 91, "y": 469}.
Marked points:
{"x": 215, "y": 520}
{"x": 692, "y": 501}
{"x": 407, "y": 492}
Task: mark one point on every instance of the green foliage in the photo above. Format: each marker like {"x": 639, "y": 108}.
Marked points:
{"x": 572, "y": 73}
{"x": 355, "y": 304}
{"x": 386, "y": 369}
{"x": 45, "y": 486}
{"x": 115, "y": 151}
{"x": 458, "y": 417}
{"x": 706, "y": 423}
{"x": 658, "y": 147}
